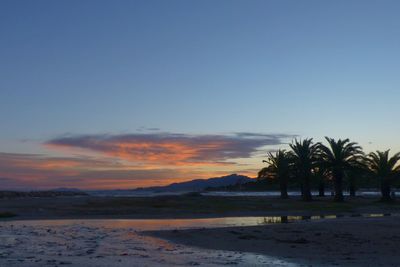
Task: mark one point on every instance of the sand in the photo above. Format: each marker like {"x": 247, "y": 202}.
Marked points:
{"x": 334, "y": 242}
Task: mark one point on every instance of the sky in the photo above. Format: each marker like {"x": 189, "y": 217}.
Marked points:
{"x": 121, "y": 94}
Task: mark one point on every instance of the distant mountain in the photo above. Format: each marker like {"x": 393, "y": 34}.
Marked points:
{"x": 200, "y": 184}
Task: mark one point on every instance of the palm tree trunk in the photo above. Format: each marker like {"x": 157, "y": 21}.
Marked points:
{"x": 283, "y": 188}
{"x": 385, "y": 190}
{"x": 301, "y": 189}
{"x": 338, "y": 188}
{"x": 306, "y": 196}
{"x": 352, "y": 190}
{"x": 352, "y": 186}
{"x": 321, "y": 189}
{"x": 284, "y": 219}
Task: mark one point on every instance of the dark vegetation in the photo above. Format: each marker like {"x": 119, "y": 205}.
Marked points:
{"x": 338, "y": 163}
{"x": 186, "y": 206}
{"x": 19, "y": 194}
{"x": 7, "y": 214}
{"x": 322, "y": 185}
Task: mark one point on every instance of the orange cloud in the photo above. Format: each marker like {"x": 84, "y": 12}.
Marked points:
{"x": 136, "y": 160}
{"x": 35, "y": 171}
{"x": 171, "y": 149}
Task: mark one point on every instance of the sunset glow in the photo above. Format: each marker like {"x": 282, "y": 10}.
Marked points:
{"x": 137, "y": 93}
{"x": 128, "y": 161}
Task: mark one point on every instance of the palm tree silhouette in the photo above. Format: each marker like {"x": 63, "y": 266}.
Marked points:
{"x": 385, "y": 169}
{"x": 305, "y": 158}
{"x": 279, "y": 164}
{"x": 339, "y": 157}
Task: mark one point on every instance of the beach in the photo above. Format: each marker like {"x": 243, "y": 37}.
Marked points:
{"x": 331, "y": 242}
{"x": 188, "y": 230}
{"x": 347, "y": 241}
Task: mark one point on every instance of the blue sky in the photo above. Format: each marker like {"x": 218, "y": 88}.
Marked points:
{"x": 307, "y": 68}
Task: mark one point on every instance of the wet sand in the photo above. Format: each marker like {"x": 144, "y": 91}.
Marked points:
{"x": 334, "y": 242}
{"x": 37, "y": 244}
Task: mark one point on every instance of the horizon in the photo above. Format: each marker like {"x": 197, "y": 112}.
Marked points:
{"x": 128, "y": 189}
{"x": 101, "y": 95}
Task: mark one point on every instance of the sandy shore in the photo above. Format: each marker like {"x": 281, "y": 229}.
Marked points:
{"x": 335, "y": 242}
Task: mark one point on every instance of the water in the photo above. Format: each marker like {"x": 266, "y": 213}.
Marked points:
{"x": 291, "y": 193}
{"x": 116, "y": 243}
{"x": 172, "y": 224}
{"x": 128, "y": 193}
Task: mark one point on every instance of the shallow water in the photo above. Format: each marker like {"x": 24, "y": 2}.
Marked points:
{"x": 107, "y": 243}
{"x": 171, "y": 224}
{"x": 128, "y": 193}
{"x": 290, "y": 193}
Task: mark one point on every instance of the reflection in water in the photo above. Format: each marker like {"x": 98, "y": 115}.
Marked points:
{"x": 119, "y": 193}
{"x": 277, "y": 193}
{"x": 287, "y": 219}
{"x": 170, "y": 224}
{"x": 81, "y": 245}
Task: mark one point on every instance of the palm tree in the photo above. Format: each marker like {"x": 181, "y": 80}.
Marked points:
{"x": 305, "y": 158}
{"x": 338, "y": 157}
{"x": 385, "y": 169}
{"x": 279, "y": 165}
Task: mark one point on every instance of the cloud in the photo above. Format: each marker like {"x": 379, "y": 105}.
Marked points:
{"x": 134, "y": 160}
{"x": 172, "y": 148}
{"x": 43, "y": 163}
{"x": 147, "y": 129}
{"x": 38, "y": 171}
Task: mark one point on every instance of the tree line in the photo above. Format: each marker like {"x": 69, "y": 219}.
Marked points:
{"x": 335, "y": 161}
